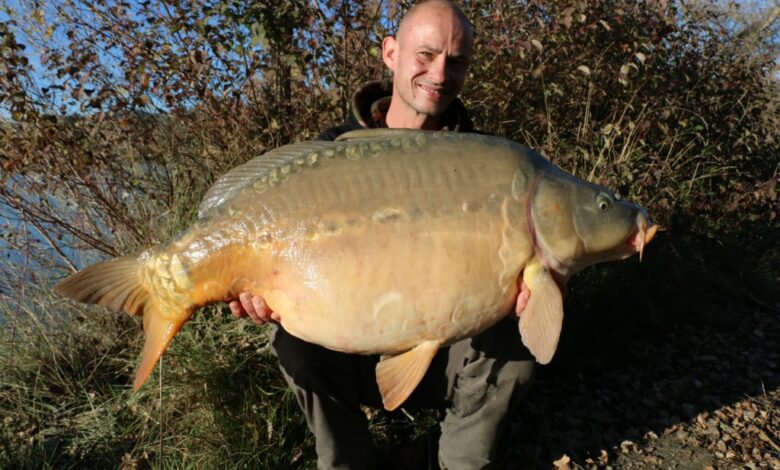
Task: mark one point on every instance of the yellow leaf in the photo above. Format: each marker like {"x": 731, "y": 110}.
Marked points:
{"x": 584, "y": 69}
{"x": 563, "y": 463}
{"x": 623, "y": 76}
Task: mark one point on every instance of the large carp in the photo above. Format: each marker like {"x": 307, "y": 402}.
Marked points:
{"x": 389, "y": 242}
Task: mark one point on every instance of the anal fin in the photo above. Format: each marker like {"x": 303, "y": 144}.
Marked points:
{"x": 397, "y": 376}
{"x": 542, "y": 319}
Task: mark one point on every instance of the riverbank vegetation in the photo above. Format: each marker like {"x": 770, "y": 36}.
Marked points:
{"x": 116, "y": 117}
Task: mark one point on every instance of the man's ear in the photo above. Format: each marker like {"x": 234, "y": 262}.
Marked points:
{"x": 390, "y": 52}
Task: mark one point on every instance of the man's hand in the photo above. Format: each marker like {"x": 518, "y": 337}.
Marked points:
{"x": 254, "y": 307}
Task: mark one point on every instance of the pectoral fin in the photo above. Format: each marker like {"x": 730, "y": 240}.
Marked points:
{"x": 398, "y": 376}
{"x": 542, "y": 318}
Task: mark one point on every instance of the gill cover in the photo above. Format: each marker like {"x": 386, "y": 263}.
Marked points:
{"x": 579, "y": 224}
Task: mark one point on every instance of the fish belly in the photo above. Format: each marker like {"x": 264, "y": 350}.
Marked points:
{"x": 385, "y": 289}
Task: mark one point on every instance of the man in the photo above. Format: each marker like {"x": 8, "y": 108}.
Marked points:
{"x": 478, "y": 380}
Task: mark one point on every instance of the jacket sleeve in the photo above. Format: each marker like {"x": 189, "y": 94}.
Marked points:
{"x": 333, "y": 132}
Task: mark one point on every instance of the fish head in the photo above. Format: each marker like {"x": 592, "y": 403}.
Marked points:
{"x": 578, "y": 224}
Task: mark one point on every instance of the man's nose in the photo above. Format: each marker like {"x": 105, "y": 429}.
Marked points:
{"x": 438, "y": 70}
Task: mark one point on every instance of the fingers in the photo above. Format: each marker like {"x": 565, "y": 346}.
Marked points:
{"x": 236, "y": 309}
{"x": 264, "y": 312}
{"x": 254, "y": 307}
{"x": 246, "y": 303}
{"x": 522, "y": 298}
{"x": 261, "y": 309}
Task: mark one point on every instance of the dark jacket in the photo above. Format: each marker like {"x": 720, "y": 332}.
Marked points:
{"x": 369, "y": 107}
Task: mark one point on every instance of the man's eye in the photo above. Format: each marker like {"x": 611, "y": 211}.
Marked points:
{"x": 426, "y": 55}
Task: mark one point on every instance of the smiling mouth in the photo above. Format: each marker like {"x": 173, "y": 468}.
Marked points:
{"x": 432, "y": 92}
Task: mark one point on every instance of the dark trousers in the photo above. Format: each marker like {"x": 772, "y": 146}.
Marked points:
{"x": 478, "y": 380}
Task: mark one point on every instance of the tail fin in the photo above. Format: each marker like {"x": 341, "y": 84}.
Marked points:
{"x": 116, "y": 284}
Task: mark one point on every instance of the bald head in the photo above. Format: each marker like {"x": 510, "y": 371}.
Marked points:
{"x": 429, "y": 57}
{"x": 430, "y": 8}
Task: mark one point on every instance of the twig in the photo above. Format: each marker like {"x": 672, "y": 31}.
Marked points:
{"x": 53, "y": 245}
{"x": 161, "y": 410}
{"x": 21, "y": 294}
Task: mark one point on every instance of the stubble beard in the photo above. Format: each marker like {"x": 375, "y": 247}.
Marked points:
{"x": 433, "y": 109}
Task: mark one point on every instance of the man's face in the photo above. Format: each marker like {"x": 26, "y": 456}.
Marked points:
{"x": 429, "y": 59}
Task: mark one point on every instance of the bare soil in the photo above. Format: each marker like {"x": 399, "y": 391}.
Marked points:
{"x": 683, "y": 388}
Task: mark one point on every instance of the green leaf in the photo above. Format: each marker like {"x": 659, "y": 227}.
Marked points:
{"x": 258, "y": 35}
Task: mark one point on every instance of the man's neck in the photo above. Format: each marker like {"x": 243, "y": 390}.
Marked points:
{"x": 398, "y": 118}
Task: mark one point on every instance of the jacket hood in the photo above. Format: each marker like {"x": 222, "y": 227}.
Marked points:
{"x": 371, "y": 101}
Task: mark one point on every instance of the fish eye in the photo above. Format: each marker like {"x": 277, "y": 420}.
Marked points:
{"x": 603, "y": 201}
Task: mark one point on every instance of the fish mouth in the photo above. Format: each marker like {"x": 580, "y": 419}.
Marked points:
{"x": 645, "y": 232}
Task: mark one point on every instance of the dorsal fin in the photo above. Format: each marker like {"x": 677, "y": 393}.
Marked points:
{"x": 232, "y": 182}
{"x": 359, "y": 134}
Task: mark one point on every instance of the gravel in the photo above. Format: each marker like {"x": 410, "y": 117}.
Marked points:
{"x": 673, "y": 384}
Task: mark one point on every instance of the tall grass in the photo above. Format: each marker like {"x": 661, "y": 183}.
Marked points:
{"x": 67, "y": 403}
